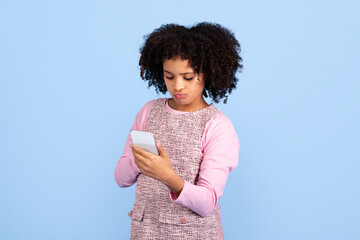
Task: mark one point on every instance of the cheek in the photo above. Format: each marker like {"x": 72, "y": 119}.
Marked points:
{"x": 199, "y": 86}
{"x": 166, "y": 83}
{"x": 168, "y": 86}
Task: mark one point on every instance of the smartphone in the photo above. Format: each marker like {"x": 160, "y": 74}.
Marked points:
{"x": 144, "y": 140}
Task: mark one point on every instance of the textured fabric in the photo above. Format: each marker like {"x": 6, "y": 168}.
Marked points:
{"x": 155, "y": 215}
{"x": 220, "y": 148}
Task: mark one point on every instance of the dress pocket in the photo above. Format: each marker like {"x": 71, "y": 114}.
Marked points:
{"x": 137, "y": 213}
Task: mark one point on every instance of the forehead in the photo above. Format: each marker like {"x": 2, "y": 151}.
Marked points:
{"x": 177, "y": 64}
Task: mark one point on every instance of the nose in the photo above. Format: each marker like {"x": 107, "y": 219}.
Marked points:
{"x": 179, "y": 84}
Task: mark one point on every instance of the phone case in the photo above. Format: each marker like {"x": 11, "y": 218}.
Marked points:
{"x": 144, "y": 140}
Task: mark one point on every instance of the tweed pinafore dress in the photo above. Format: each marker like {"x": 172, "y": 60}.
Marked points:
{"x": 154, "y": 215}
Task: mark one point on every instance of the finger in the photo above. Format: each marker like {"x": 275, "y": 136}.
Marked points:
{"x": 139, "y": 157}
{"x": 140, "y": 162}
{"x": 141, "y": 151}
{"x": 161, "y": 149}
{"x": 140, "y": 165}
{"x": 143, "y": 164}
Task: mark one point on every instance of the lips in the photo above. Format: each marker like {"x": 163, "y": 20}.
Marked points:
{"x": 179, "y": 95}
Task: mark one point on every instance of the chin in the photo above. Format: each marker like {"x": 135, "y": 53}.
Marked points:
{"x": 181, "y": 101}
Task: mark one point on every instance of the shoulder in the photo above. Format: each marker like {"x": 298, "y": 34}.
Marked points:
{"x": 143, "y": 114}
{"x": 220, "y": 143}
{"x": 220, "y": 123}
{"x": 219, "y": 127}
{"x": 147, "y": 107}
{"x": 150, "y": 103}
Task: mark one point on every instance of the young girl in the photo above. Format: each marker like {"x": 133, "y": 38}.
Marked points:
{"x": 177, "y": 191}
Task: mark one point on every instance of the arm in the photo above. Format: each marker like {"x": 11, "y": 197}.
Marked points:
{"x": 126, "y": 171}
{"x": 220, "y": 148}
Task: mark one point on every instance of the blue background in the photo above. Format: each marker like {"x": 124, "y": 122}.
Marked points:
{"x": 70, "y": 89}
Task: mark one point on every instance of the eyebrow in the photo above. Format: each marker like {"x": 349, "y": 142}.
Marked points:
{"x": 180, "y": 73}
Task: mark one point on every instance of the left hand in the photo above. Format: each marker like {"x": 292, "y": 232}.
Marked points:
{"x": 155, "y": 166}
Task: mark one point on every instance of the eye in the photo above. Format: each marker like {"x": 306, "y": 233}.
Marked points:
{"x": 189, "y": 78}
{"x": 169, "y": 77}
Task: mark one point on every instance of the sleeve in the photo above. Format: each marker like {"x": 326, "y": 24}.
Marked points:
{"x": 221, "y": 147}
{"x": 126, "y": 171}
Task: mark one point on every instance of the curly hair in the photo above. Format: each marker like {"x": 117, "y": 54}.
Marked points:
{"x": 210, "y": 49}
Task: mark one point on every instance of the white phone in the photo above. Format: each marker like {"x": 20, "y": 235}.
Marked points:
{"x": 144, "y": 140}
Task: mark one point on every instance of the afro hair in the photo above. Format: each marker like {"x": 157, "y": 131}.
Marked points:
{"x": 210, "y": 49}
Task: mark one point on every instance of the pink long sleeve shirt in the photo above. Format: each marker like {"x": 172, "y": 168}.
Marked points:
{"x": 220, "y": 148}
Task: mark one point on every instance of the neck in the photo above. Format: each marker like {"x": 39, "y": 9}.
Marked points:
{"x": 187, "y": 107}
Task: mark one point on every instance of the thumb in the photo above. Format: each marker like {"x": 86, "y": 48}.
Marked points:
{"x": 161, "y": 149}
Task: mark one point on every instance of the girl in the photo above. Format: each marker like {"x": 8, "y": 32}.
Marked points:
{"x": 177, "y": 191}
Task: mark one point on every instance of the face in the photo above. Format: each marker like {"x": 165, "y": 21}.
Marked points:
{"x": 184, "y": 85}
